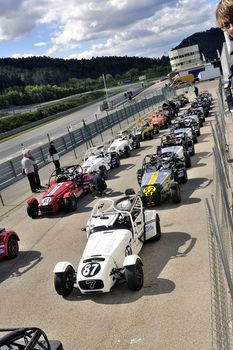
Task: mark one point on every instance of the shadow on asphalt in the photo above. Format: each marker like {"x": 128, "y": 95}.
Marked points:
{"x": 186, "y": 192}
{"x": 24, "y": 262}
{"x": 155, "y": 257}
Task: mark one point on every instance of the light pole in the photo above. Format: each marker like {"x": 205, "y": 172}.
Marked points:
{"x": 106, "y": 92}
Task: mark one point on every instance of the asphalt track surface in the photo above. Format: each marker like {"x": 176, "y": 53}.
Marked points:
{"x": 171, "y": 312}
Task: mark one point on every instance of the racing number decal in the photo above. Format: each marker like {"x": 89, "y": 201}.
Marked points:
{"x": 90, "y": 269}
{"x": 149, "y": 190}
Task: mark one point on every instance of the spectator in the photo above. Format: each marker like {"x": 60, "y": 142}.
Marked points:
{"x": 196, "y": 91}
{"x": 28, "y": 170}
{"x": 224, "y": 16}
{"x": 97, "y": 184}
{"x": 36, "y": 171}
{"x": 55, "y": 157}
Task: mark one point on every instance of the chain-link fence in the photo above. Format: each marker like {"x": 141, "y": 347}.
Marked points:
{"x": 220, "y": 229}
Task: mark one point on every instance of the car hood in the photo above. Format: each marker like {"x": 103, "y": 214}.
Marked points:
{"x": 118, "y": 143}
{"x": 88, "y": 164}
{"x": 155, "y": 178}
{"x": 172, "y": 149}
{"x": 107, "y": 243}
{"x": 54, "y": 191}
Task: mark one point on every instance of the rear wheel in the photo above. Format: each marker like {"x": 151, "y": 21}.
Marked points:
{"x": 127, "y": 151}
{"x": 12, "y": 247}
{"x": 188, "y": 163}
{"x": 184, "y": 178}
{"x": 158, "y": 230}
{"x": 134, "y": 276}
{"x": 64, "y": 281}
{"x": 33, "y": 210}
{"x": 71, "y": 203}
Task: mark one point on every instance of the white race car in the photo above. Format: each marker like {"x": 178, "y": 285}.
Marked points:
{"x": 123, "y": 144}
{"x": 97, "y": 159}
{"x": 116, "y": 231}
{"x": 172, "y": 145}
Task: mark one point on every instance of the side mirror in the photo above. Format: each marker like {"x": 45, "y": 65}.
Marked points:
{"x": 83, "y": 229}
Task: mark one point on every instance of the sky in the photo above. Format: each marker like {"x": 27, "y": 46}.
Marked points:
{"x": 90, "y": 28}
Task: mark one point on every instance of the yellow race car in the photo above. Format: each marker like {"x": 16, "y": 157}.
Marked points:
{"x": 144, "y": 130}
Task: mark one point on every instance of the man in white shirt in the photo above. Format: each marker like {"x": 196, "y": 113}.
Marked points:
{"x": 28, "y": 169}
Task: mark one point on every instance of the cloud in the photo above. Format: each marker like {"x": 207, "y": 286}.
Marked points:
{"x": 21, "y": 55}
{"x": 41, "y": 43}
{"x": 107, "y": 27}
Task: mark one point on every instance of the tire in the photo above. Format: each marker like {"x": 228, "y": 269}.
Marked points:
{"x": 175, "y": 195}
{"x": 195, "y": 140}
{"x": 193, "y": 152}
{"x": 138, "y": 145}
{"x": 184, "y": 178}
{"x": 134, "y": 276}
{"x": 158, "y": 229}
{"x": 129, "y": 191}
{"x": 127, "y": 152}
{"x": 151, "y": 136}
{"x": 118, "y": 163}
{"x": 33, "y": 210}
{"x": 103, "y": 172}
{"x": 64, "y": 282}
{"x": 12, "y": 248}
{"x": 71, "y": 203}
{"x": 188, "y": 163}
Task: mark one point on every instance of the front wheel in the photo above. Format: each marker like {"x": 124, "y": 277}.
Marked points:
{"x": 12, "y": 248}
{"x": 64, "y": 281}
{"x": 71, "y": 203}
{"x": 134, "y": 276}
{"x": 33, "y": 210}
{"x": 175, "y": 195}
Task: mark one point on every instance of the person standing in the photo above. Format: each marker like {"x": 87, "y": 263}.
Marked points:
{"x": 196, "y": 90}
{"x": 55, "y": 157}
{"x": 28, "y": 170}
{"x": 36, "y": 171}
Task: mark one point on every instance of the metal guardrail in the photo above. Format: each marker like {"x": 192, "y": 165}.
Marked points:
{"x": 220, "y": 232}
{"x": 11, "y": 170}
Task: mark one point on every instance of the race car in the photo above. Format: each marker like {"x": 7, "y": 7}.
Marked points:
{"x": 116, "y": 231}
{"x": 157, "y": 181}
{"x": 63, "y": 192}
{"x": 123, "y": 144}
{"x": 184, "y": 138}
{"x": 98, "y": 159}
{"x": 187, "y": 127}
{"x": 159, "y": 120}
{"x": 176, "y": 146}
{"x": 26, "y": 338}
{"x": 191, "y": 120}
{"x": 144, "y": 130}
{"x": 9, "y": 246}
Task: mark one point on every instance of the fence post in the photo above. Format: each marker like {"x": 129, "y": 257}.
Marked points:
{"x": 97, "y": 121}
{"x": 13, "y": 169}
{"x": 69, "y": 128}
{"x": 2, "y": 200}
{"x": 110, "y": 123}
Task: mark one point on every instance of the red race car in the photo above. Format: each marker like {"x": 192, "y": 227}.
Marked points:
{"x": 63, "y": 191}
{"x": 9, "y": 246}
